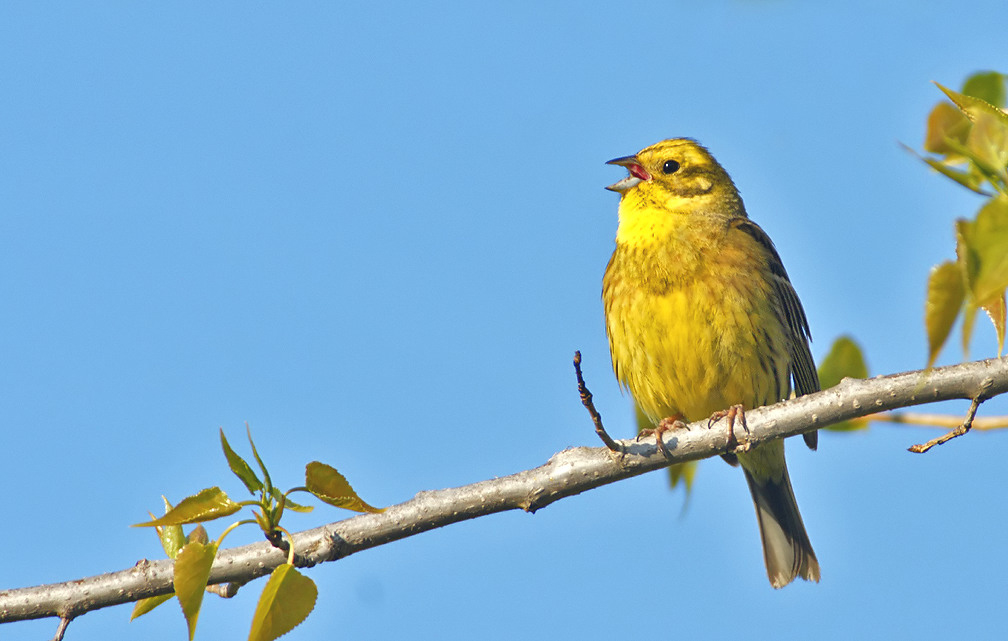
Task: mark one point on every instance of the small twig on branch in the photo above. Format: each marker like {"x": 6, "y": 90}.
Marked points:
{"x": 961, "y": 429}
{"x": 586, "y": 400}
{"x": 225, "y": 590}
{"x": 61, "y": 629}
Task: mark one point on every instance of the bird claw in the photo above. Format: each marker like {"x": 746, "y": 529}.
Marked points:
{"x": 733, "y": 412}
{"x": 665, "y": 425}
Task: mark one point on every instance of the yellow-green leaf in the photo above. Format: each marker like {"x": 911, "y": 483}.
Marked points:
{"x": 262, "y": 466}
{"x": 240, "y": 467}
{"x": 296, "y": 507}
{"x": 983, "y": 249}
{"x": 988, "y": 86}
{"x": 286, "y": 601}
{"x": 211, "y": 503}
{"x": 969, "y": 179}
{"x": 332, "y": 487}
{"x": 972, "y": 106}
{"x": 945, "y": 295}
{"x": 192, "y": 569}
{"x": 289, "y": 504}
{"x": 265, "y": 524}
{"x": 844, "y": 360}
{"x": 969, "y": 318}
{"x": 988, "y": 145}
{"x": 172, "y": 537}
{"x": 143, "y": 606}
{"x": 944, "y": 123}
{"x": 996, "y": 312}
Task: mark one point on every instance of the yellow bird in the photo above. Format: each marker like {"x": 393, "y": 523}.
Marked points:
{"x": 704, "y": 322}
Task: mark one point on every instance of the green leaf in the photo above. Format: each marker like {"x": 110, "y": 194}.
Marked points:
{"x": 143, "y": 606}
{"x": 979, "y": 168}
{"x": 845, "y": 360}
{"x": 968, "y": 179}
{"x": 988, "y": 146}
{"x": 286, "y": 601}
{"x": 969, "y": 318}
{"x": 211, "y": 503}
{"x": 289, "y": 504}
{"x": 972, "y": 106}
{"x": 172, "y": 537}
{"x": 332, "y": 487}
{"x": 296, "y": 507}
{"x": 996, "y": 312}
{"x": 262, "y": 466}
{"x": 192, "y": 570}
{"x": 944, "y": 123}
{"x": 989, "y": 86}
{"x": 240, "y": 468}
{"x": 264, "y": 524}
{"x": 983, "y": 250}
{"x": 945, "y": 295}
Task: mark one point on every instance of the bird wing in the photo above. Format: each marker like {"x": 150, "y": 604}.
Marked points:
{"x": 803, "y": 370}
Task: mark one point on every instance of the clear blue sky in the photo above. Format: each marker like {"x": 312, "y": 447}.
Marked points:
{"x": 377, "y": 233}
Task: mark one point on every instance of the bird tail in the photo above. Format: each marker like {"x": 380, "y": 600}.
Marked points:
{"x": 787, "y": 550}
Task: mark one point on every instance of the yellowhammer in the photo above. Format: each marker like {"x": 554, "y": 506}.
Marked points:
{"x": 702, "y": 319}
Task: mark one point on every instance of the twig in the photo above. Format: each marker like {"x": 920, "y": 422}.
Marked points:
{"x": 225, "y": 590}
{"x": 586, "y": 400}
{"x": 61, "y": 629}
{"x": 963, "y": 427}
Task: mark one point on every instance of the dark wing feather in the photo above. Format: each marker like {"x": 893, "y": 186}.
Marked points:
{"x": 803, "y": 370}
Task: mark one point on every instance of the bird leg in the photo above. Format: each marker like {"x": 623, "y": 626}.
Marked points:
{"x": 667, "y": 424}
{"x": 733, "y": 412}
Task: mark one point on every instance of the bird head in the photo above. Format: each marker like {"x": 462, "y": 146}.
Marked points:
{"x": 676, "y": 173}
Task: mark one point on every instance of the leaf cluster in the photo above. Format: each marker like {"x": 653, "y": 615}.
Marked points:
{"x": 288, "y": 596}
{"x": 967, "y": 138}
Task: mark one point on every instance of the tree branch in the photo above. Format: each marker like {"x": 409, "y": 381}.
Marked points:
{"x": 567, "y": 473}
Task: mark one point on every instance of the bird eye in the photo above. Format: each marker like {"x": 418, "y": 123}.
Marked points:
{"x": 670, "y": 167}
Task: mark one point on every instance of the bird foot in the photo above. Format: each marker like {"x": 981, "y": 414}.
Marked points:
{"x": 731, "y": 414}
{"x": 665, "y": 425}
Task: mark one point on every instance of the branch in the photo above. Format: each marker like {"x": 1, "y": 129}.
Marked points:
{"x": 566, "y": 474}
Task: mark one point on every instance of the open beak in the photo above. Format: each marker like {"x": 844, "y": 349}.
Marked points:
{"x": 637, "y": 174}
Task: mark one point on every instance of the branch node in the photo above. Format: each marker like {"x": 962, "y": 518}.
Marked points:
{"x": 224, "y": 590}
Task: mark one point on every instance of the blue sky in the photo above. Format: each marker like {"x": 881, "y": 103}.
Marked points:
{"x": 377, "y": 233}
